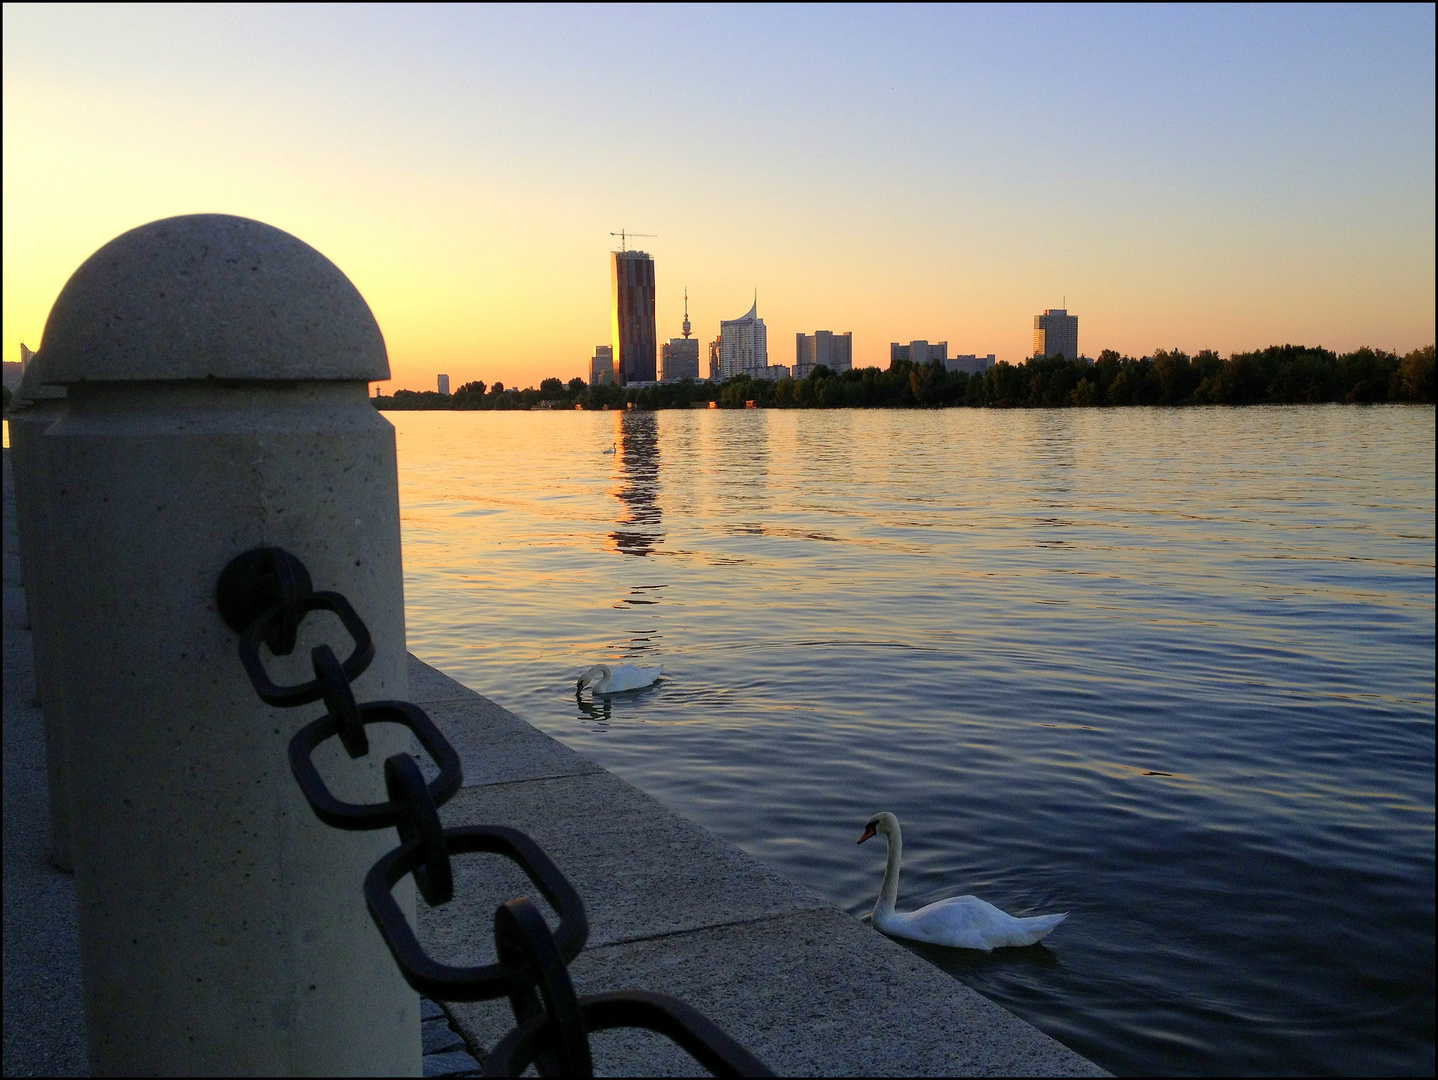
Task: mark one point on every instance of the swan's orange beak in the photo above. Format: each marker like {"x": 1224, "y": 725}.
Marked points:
{"x": 867, "y": 833}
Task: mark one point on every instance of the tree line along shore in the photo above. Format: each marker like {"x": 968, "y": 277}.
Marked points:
{"x": 1280, "y": 374}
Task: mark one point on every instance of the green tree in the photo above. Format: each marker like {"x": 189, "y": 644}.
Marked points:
{"x": 1175, "y": 374}
{"x": 1305, "y": 376}
{"x": 1365, "y": 375}
{"x": 734, "y": 392}
{"x": 1413, "y": 380}
{"x": 469, "y": 396}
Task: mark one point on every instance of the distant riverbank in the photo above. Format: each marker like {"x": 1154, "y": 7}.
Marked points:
{"x": 1280, "y": 374}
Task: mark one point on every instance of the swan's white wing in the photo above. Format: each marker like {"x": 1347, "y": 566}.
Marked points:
{"x": 630, "y": 677}
{"x": 966, "y": 922}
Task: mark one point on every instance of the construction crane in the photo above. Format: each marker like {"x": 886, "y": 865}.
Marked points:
{"x": 624, "y": 236}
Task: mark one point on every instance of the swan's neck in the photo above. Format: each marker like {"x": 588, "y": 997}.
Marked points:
{"x": 889, "y": 892}
{"x": 596, "y": 677}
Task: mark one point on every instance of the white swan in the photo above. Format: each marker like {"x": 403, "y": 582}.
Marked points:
{"x": 613, "y": 449}
{"x": 963, "y": 922}
{"x": 607, "y": 680}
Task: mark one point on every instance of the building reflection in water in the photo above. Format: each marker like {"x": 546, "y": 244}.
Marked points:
{"x": 1055, "y": 459}
{"x": 639, "y": 526}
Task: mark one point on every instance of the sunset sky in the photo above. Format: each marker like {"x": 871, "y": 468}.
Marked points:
{"x": 1222, "y": 178}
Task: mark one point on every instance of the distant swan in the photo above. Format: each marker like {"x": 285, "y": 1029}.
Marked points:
{"x": 963, "y": 922}
{"x": 607, "y": 680}
{"x": 612, "y": 449}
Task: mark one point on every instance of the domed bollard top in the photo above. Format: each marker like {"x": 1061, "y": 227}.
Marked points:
{"x": 217, "y": 371}
{"x": 210, "y": 296}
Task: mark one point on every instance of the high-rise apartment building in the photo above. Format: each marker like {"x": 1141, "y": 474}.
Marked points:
{"x": 444, "y": 385}
{"x": 679, "y": 357}
{"x": 920, "y": 352}
{"x": 1056, "y": 334}
{"x": 601, "y": 365}
{"x": 834, "y": 351}
{"x": 744, "y": 345}
{"x": 715, "y": 347}
{"x": 634, "y": 339}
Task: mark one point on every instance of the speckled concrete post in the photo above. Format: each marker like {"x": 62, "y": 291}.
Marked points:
{"x": 218, "y": 376}
{"x": 37, "y": 406}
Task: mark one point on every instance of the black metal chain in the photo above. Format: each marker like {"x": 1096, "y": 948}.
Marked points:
{"x": 264, "y": 595}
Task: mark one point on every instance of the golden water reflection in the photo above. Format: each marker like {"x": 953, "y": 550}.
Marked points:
{"x": 639, "y": 526}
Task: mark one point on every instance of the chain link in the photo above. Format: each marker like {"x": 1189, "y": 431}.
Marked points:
{"x": 445, "y": 982}
{"x": 264, "y": 595}
{"x": 363, "y": 816}
{"x": 339, "y": 700}
{"x": 526, "y": 949}
{"x": 682, "y": 1024}
{"x": 420, "y": 828}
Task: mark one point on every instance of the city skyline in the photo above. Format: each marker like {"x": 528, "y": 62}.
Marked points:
{"x": 1232, "y": 178}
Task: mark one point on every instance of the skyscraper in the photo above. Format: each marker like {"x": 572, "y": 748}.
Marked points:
{"x": 834, "y": 351}
{"x": 679, "y": 357}
{"x": 444, "y": 385}
{"x": 632, "y": 275}
{"x": 1056, "y": 333}
{"x": 601, "y": 365}
{"x": 744, "y": 345}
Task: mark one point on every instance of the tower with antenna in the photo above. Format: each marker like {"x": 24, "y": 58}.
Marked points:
{"x": 679, "y": 357}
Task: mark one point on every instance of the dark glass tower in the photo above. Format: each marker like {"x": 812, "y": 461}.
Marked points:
{"x": 632, "y": 274}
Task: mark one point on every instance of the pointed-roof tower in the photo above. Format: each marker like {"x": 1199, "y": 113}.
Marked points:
{"x": 686, "y": 312}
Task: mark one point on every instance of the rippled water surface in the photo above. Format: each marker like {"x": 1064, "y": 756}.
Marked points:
{"x": 1169, "y": 670}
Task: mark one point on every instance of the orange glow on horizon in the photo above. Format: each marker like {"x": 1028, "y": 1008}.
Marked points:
{"x": 477, "y": 227}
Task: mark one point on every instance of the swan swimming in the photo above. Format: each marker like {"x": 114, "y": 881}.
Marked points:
{"x": 613, "y": 449}
{"x": 963, "y": 922}
{"x": 607, "y": 680}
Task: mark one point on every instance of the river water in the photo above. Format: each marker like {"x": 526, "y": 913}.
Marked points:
{"x": 1171, "y": 671}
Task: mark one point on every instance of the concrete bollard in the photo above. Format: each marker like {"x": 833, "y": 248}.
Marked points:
{"x": 37, "y": 407}
{"x": 217, "y": 370}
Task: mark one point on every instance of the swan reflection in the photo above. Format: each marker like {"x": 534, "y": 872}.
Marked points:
{"x": 600, "y": 710}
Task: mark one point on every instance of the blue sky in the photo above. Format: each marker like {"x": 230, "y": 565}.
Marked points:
{"x": 1222, "y": 177}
